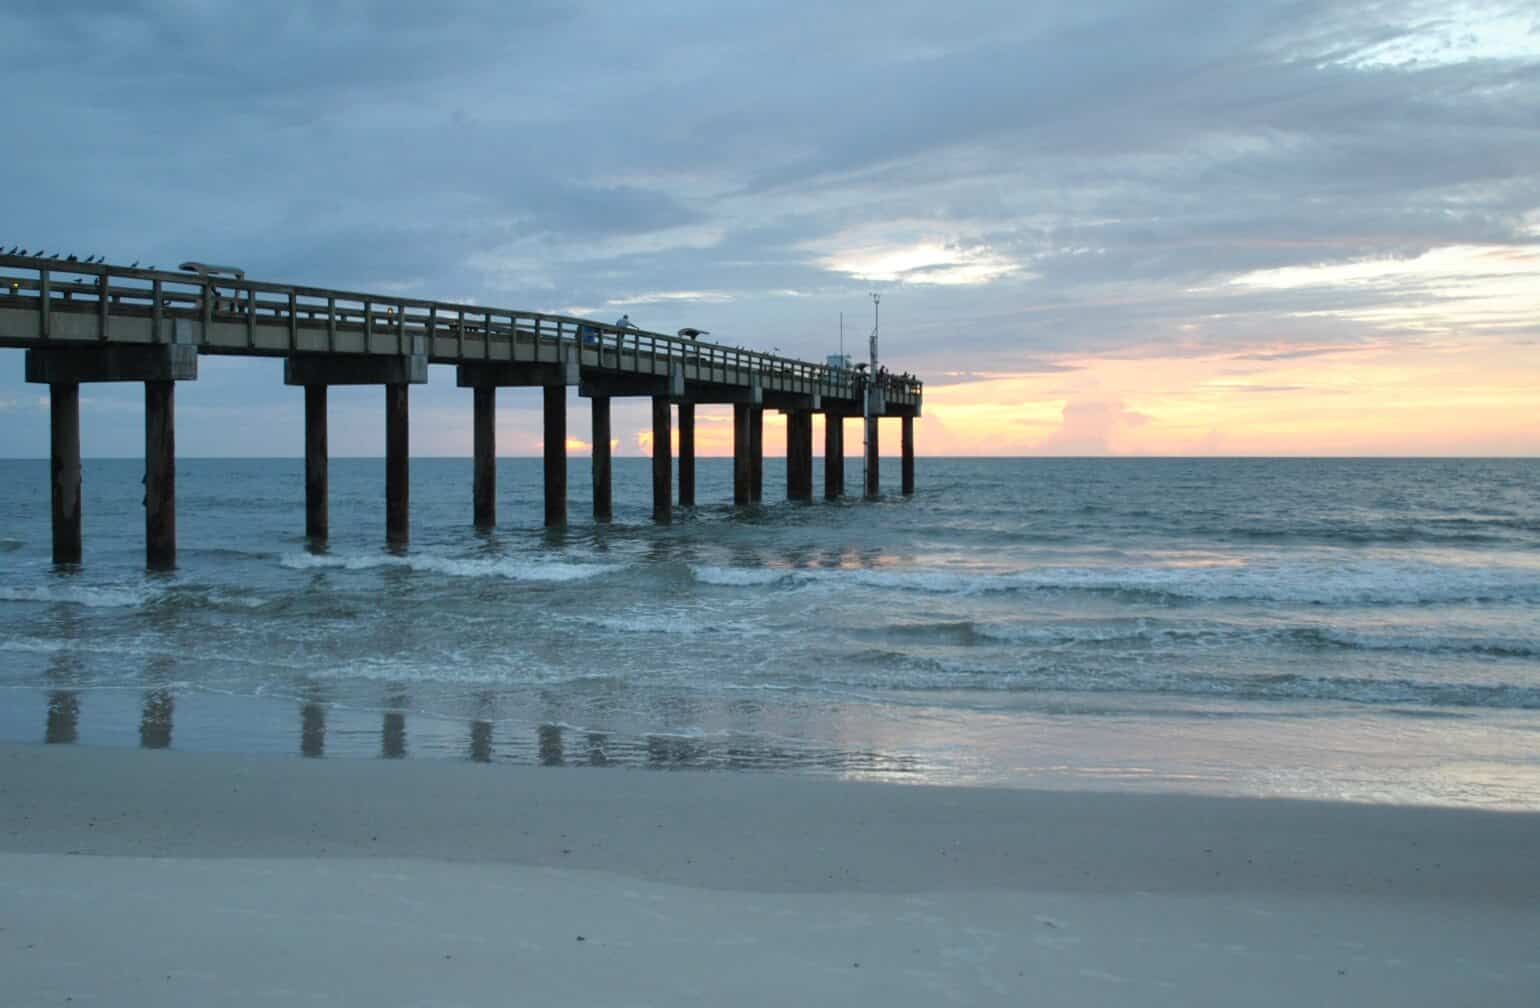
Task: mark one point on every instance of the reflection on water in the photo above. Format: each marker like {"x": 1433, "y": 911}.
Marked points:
{"x": 481, "y": 741}
{"x": 543, "y": 744}
{"x": 155, "y": 722}
{"x": 312, "y": 730}
{"x": 550, "y": 745}
{"x": 393, "y": 728}
{"x": 393, "y": 735}
{"x": 63, "y": 724}
{"x": 597, "y": 756}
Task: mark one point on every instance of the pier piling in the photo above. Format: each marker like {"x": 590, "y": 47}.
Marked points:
{"x": 160, "y": 474}
{"x": 833, "y": 456}
{"x": 397, "y": 465}
{"x": 756, "y": 454}
{"x": 159, "y": 367}
{"x": 873, "y": 454}
{"x": 600, "y": 406}
{"x": 555, "y": 455}
{"x": 317, "y": 509}
{"x": 908, "y": 455}
{"x": 740, "y": 454}
{"x": 799, "y": 455}
{"x": 662, "y": 461}
{"x": 484, "y": 456}
{"x": 64, "y": 469}
{"x": 686, "y": 455}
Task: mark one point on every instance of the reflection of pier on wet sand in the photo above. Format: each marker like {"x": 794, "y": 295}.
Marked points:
{"x": 488, "y": 741}
{"x": 731, "y": 889}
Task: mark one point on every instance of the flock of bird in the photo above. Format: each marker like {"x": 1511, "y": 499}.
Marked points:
{"x": 60, "y": 257}
{"x": 42, "y": 254}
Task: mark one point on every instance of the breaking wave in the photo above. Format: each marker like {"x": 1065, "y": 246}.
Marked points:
{"x": 475, "y": 567}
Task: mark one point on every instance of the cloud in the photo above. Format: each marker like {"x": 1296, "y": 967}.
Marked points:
{"x": 1034, "y": 188}
{"x": 925, "y": 262}
{"x": 1092, "y": 427}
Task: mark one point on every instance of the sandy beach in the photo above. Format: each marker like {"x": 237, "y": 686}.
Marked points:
{"x": 138, "y": 878}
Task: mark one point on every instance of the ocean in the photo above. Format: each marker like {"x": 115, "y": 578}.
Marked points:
{"x": 1362, "y": 630}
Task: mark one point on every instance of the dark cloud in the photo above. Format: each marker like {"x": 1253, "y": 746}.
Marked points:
{"x": 1129, "y": 159}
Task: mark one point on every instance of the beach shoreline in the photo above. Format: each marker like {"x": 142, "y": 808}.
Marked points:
{"x": 700, "y": 886}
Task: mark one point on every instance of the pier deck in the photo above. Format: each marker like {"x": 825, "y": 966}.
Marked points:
{"x": 87, "y": 322}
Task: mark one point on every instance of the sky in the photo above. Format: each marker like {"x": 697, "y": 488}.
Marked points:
{"x": 1170, "y": 228}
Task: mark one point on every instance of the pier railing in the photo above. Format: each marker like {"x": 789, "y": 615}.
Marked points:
{"x": 73, "y": 303}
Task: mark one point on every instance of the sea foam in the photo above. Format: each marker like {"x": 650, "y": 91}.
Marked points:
{"x": 94, "y": 597}
{"x": 513, "y": 570}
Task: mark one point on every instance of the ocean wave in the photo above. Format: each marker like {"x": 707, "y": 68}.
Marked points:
{"x": 884, "y": 670}
{"x": 1361, "y": 583}
{"x": 94, "y": 597}
{"x": 740, "y": 577}
{"x": 667, "y": 622}
{"x": 1208, "y": 635}
{"x": 514, "y": 570}
{"x": 10, "y": 545}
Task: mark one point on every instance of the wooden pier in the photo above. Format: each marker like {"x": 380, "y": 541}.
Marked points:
{"x": 95, "y": 322}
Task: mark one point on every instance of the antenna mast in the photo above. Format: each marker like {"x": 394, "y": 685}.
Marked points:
{"x": 866, "y": 400}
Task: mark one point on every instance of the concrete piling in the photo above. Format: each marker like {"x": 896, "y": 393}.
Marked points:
{"x": 662, "y": 460}
{"x": 799, "y": 455}
{"x": 741, "y": 480}
{"x": 555, "y": 455}
{"x": 64, "y": 470}
{"x": 908, "y": 455}
{"x": 686, "y": 455}
{"x": 833, "y": 456}
{"x": 873, "y": 455}
{"x": 160, "y": 474}
{"x": 603, "y": 509}
{"x": 484, "y": 456}
{"x": 317, "y": 509}
{"x": 397, "y": 466}
{"x": 756, "y": 454}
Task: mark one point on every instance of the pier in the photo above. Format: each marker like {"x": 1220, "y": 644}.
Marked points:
{"x": 96, "y": 322}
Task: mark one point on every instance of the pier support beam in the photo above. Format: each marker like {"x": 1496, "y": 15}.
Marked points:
{"x": 756, "y": 454}
{"x": 873, "y": 483}
{"x": 662, "y": 460}
{"x": 908, "y": 456}
{"x": 397, "y": 373}
{"x": 64, "y": 470}
{"x": 553, "y": 378}
{"x": 317, "y": 510}
{"x": 603, "y": 509}
{"x": 799, "y": 455}
{"x": 741, "y": 481}
{"x": 555, "y": 455}
{"x": 833, "y": 456}
{"x": 160, "y": 475}
{"x": 484, "y": 456}
{"x": 397, "y": 466}
{"x": 160, "y": 366}
{"x": 686, "y": 455}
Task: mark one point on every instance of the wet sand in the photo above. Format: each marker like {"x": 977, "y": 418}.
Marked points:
{"x": 167, "y": 878}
